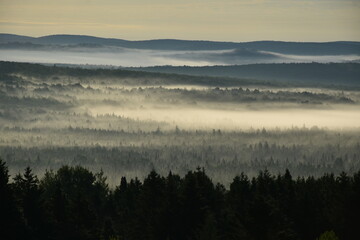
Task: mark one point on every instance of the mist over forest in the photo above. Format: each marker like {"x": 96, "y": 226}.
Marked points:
{"x": 104, "y": 138}
{"x": 75, "y": 49}
{"x": 128, "y": 122}
{"x": 179, "y": 120}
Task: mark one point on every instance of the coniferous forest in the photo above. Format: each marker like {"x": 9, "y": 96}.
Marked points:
{"x": 211, "y": 138}
{"x": 75, "y": 203}
{"x": 123, "y": 154}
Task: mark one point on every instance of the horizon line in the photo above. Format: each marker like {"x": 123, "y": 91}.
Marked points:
{"x": 175, "y": 39}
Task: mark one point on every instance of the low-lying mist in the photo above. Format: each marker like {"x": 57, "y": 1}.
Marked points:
{"x": 129, "y": 124}
{"x": 242, "y": 118}
{"x": 117, "y": 56}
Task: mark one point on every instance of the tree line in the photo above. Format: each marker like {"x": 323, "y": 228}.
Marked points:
{"x": 75, "y": 203}
{"x": 119, "y": 76}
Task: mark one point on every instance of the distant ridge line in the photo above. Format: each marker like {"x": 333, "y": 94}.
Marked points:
{"x": 300, "y": 48}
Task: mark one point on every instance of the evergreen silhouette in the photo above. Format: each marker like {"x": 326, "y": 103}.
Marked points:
{"x": 75, "y": 203}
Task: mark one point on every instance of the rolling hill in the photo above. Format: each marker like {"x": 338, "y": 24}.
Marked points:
{"x": 299, "y": 48}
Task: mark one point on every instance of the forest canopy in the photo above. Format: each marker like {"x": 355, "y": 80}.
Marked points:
{"x": 75, "y": 203}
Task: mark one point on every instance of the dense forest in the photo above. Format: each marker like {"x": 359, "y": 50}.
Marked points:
{"x": 300, "y": 74}
{"x": 127, "y": 154}
{"x": 75, "y": 203}
{"x": 223, "y": 154}
{"x": 128, "y": 123}
{"x": 103, "y": 138}
{"x": 10, "y": 70}
{"x": 327, "y": 75}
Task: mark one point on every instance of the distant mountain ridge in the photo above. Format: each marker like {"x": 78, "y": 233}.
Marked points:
{"x": 299, "y": 48}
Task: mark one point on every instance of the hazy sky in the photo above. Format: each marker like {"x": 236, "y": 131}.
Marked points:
{"x": 229, "y": 20}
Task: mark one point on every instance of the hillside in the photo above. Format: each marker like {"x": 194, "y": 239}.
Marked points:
{"x": 300, "y": 48}
{"x": 313, "y": 74}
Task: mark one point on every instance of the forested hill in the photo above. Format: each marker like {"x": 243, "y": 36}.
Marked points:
{"x": 75, "y": 203}
{"x": 299, "y": 48}
{"x": 119, "y": 76}
{"x": 301, "y": 75}
{"x": 346, "y": 74}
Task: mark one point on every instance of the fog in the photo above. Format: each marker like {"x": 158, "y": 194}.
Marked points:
{"x": 129, "y": 124}
{"x": 246, "y": 56}
{"x": 141, "y": 58}
{"x": 125, "y": 58}
{"x": 237, "y": 119}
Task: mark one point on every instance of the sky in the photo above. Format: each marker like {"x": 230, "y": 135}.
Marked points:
{"x": 221, "y": 20}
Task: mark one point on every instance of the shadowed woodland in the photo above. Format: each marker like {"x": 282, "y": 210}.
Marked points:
{"x": 75, "y": 203}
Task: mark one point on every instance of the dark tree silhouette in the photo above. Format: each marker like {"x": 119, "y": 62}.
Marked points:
{"x": 74, "y": 203}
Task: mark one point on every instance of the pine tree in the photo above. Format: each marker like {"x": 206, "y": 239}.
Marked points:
{"x": 28, "y": 196}
{"x": 11, "y": 224}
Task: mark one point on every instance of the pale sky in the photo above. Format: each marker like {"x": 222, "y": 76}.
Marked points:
{"x": 225, "y": 20}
